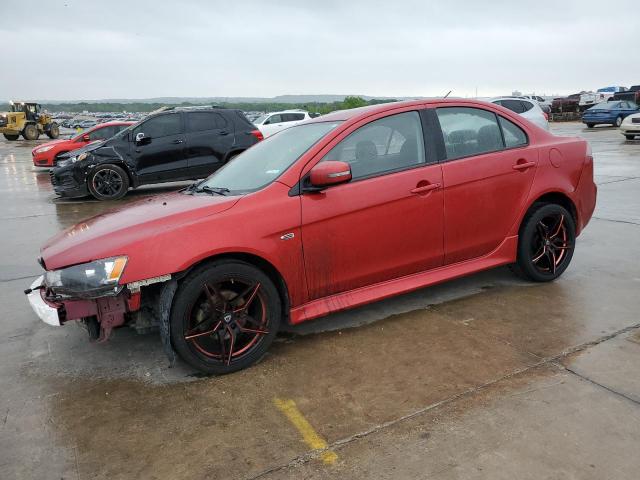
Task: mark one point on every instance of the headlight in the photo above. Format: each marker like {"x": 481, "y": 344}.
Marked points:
{"x": 88, "y": 280}
{"x": 44, "y": 149}
{"x": 79, "y": 158}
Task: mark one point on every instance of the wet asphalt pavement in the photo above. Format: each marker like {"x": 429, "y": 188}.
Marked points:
{"x": 483, "y": 377}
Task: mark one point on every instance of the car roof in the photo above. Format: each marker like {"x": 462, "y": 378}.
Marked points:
{"x": 363, "y": 112}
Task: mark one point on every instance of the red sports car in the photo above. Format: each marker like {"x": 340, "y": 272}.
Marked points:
{"x": 336, "y": 212}
{"x": 47, "y": 154}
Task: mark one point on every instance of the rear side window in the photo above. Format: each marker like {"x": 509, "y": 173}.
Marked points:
{"x": 514, "y": 136}
{"x": 200, "y": 121}
{"x": 273, "y": 119}
{"x": 391, "y": 143}
{"x": 161, "y": 126}
{"x": 292, "y": 117}
{"x": 514, "y": 105}
{"x": 526, "y": 106}
{"x": 469, "y": 131}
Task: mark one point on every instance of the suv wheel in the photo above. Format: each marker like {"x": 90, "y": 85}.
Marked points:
{"x": 108, "y": 182}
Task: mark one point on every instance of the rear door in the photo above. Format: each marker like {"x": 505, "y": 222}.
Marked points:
{"x": 162, "y": 156}
{"x": 487, "y": 175}
{"x": 209, "y": 138}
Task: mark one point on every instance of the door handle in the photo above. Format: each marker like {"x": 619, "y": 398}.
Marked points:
{"x": 178, "y": 141}
{"x": 524, "y": 165}
{"x": 426, "y": 188}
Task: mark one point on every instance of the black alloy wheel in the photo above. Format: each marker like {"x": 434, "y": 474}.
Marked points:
{"x": 546, "y": 243}
{"x": 225, "y": 316}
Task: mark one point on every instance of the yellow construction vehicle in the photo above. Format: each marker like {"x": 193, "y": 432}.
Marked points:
{"x": 27, "y": 119}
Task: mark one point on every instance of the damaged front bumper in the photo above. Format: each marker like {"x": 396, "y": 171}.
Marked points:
{"x": 45, "y": 311}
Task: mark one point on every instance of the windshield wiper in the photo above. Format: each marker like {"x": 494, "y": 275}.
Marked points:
{"x": 214, "y": 190}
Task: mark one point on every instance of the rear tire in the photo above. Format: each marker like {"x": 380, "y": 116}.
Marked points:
{"x": 31, "y": 132}
{"x": 546, "y": 243}
{"x": 224, "y": 317}
{"x": 10, "y": 137}
{"x": 54, "y": 131}
{"x": 108, "y": 182}
{"x": 618, "y": 122}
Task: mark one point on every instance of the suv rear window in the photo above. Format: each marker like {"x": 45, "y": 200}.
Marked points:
{"x": 514, "y": 105}
{"x": 200, "y": 121}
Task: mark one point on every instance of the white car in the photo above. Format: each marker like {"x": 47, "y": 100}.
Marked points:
{"x": 630, "y": 126}
{"x": 601, "y": 95}
{"x": 274, "y": 122}
{"x": 529, "y": 109}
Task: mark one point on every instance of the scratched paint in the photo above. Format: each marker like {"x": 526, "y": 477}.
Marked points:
{"x": 309, "y": 435}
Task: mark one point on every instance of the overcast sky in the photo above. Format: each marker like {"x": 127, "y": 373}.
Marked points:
{"x": 140, "y": 49}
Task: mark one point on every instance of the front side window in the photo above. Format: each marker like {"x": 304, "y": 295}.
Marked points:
{"x": 391, "y": 143}
{"x": 273, "y": 119}
{"x": 160, "y": 126}
{"x": 261, "y": 164}
{"x": 101, "y": 133}
{"x": 469, "y": 131}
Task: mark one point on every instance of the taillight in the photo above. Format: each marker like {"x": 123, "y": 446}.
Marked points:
{"x": 257, "y": 134}
{"x": 546, "y": 116}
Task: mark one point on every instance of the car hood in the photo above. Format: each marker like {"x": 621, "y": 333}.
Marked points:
{"x": 51, "y": 143}
{"x": 123, "y": 230}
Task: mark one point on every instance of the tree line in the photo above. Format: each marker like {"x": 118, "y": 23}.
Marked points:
{"x": 103, "y": 107}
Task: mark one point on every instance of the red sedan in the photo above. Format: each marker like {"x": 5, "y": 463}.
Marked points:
{"x": 333, "y": 213}
{"x": 46, "y": 155}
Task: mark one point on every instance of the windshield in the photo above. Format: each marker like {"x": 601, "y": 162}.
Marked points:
{"x": 607, "y": 89}
{"x": 267, "y": 160}
{"x": 260, "y": 119}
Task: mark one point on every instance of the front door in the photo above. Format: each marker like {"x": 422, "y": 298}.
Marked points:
{"x": 387, "y": 222}
{"x": 161, "y": 156}
{"x": 487, "y": 176}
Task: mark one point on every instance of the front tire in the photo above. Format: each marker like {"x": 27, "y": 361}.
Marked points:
{"x": 224, "y": 317}
{"x": 629, "y": 137}
{"x": 108, "y": 182}
{"x": 590, "y": 125}
{"x": 546, "y": 243}
{"x": 31, "y": 132}
{"x": 54, "y": 131}
{"x": 10, "y": 137}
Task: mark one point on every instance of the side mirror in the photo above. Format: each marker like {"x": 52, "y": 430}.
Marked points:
{"x": 86, "y": 138}
{"x": 330, "y": 172}
{"x": 141, "y": 139}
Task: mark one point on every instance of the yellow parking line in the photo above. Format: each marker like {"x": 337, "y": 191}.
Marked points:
{"x": 309, "y": 435}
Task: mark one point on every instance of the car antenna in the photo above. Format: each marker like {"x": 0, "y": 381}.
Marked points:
{"x": 447, "y": 94}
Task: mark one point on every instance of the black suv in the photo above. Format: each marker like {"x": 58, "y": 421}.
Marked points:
{"x": 174, "y": 144}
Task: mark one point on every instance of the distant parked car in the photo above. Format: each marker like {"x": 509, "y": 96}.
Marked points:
{"x": 630, "y": 126}
{"x": 568, "y": 104}
{"x": 87, "y": 124}
{"x": 274, "y": 122}
{"x": 529, "y": 109}
{"x": 589, "y": 99}
{"x": 612, "y": 113}
{"x": 48, "y": 154}
{"x": 174, "y": 144}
